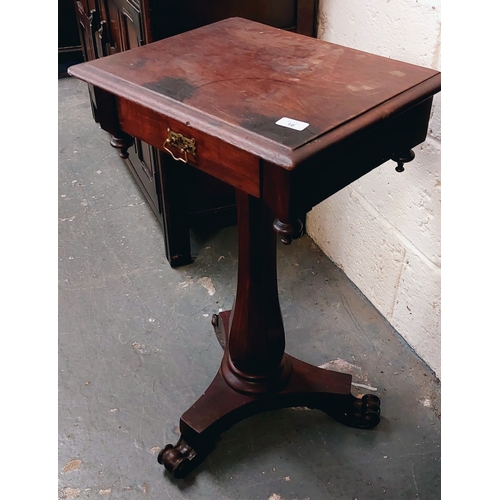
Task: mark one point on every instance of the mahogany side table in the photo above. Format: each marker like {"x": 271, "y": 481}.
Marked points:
{"x": 288, "y": 121}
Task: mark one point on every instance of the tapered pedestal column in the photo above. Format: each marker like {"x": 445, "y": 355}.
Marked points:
{"x": 256, "y": 374}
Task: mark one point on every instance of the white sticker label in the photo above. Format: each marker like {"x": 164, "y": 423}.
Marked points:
{"x": 291, "y": 123}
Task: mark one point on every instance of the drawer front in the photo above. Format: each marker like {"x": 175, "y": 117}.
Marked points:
{"x": 212, "y": 155}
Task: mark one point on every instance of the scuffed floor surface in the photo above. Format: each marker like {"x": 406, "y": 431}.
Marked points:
{"x": 136, "y": 349}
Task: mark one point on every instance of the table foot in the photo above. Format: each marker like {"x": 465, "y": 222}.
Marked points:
{"x": 201, "y": 426}
{"x": 221, "y": 406}
{"x": 182, "y": 458}
{"x": 361, "y": 412}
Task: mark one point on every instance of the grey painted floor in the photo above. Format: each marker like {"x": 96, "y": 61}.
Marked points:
{"x": 136, "y": 349}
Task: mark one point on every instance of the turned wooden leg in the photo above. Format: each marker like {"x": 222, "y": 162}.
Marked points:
{"x": 254, "y": 360}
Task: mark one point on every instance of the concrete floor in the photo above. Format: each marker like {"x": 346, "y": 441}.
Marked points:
{"x": 136, "y": 349}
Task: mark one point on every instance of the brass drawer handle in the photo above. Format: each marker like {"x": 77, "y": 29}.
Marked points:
{"x": 183, "y": 143}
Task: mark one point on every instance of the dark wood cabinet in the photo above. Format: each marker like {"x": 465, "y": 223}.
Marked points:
{"x": 69, "y": 45}
{"x": 68, "y": 39}
{"x": 180, "y": 196}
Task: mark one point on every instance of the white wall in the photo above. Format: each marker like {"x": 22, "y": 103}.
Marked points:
{"x": 384, "y": 229}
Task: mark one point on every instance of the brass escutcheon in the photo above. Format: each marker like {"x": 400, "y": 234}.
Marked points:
{"x": 183, "y": 143}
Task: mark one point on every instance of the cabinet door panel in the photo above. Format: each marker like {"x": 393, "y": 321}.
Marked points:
{"x": 68, "y": 39}
{"x": 86, "y": 20}
{"x": 125, "y": 25}
{"x": 125, "y": 32}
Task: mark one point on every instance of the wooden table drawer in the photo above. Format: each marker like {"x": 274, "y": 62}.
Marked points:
{"x": 212, "y": 155}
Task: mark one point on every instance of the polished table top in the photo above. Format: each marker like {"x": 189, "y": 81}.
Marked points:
{"x": 235, "y": 79}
